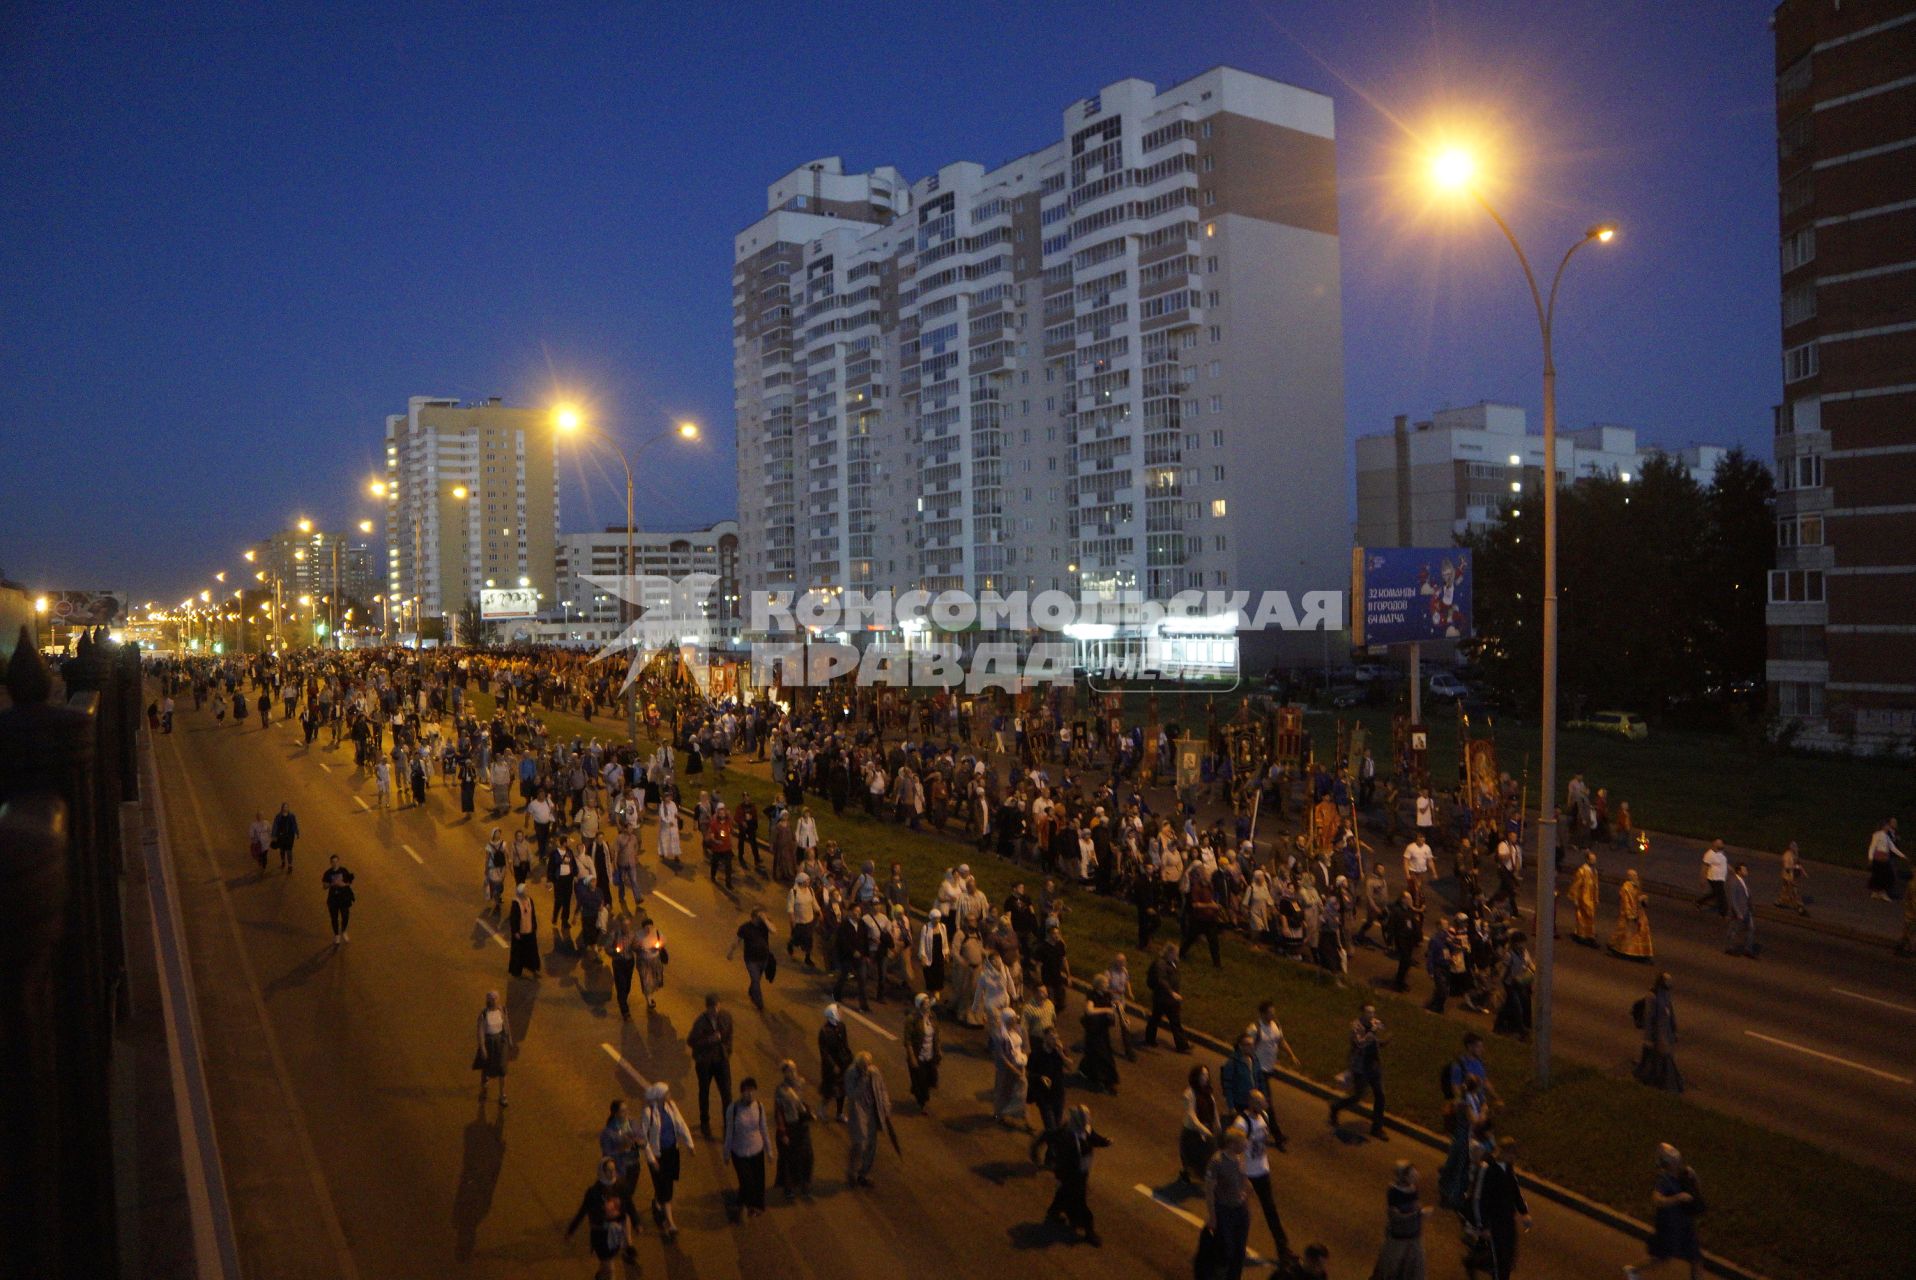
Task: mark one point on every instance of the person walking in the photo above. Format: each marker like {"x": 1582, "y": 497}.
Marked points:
{"x": 1069, "y": 1150}
{"x": 1496, "y": 1208}
{"x": 748, "y": 1136}
{"x": 338, "y": 882}
{"x": 494, "y": 872}
{"x": 834, "y": 1059}
{"x": 1044, "y": 1077}
{"x": 651, "y": 958}
{"x": 1198, "y": 1134}
{"x": 1402, "y": 1255}
{"x": 792, "y": 1129}
{"x": 923, "y": 1050}
{"x": 1716, "y": 871}
{"x": 1167, "y": 999}
{"x": 1009, "y": 1056}
{"x": 801, "y": 907}
{"x": 623, "y": 946}
{"x": 1883, "y": 852}
{"x": 495, "y": 1043}
{"x": 710, "y": 1041}
{"x": 285, "y": 831}
{"x": 1098, "y": 1066}
{"x": 868, "y": 1113}
{"x": 1742, "y": 914}
{"x": 619, "y": 1143}
{"x": 1227, "y": 1212}
{"x": 755, "y": 936}
{"x": 663, "y": 1135}
{"x": 1655, "y": 1015}
{"x": 1789, "y": 893}
{"x": 522, "y": 924}
{"x": 1366, "y": 1069}
{"x": 259, "y": 838}
{"x": 1631, "y": 938}
{"x": 1586, "y": 894}
{"x": 609, "y": 1211}
{"x": 1255, "y": 1126}
{"x": 1677, "y": 1199}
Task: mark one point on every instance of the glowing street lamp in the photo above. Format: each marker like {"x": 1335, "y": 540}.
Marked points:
{"x": 1455, "y": 171}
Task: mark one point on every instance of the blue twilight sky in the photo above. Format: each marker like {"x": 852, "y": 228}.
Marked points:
{"x": 234, "y": 236}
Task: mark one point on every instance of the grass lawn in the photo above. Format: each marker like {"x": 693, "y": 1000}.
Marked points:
{"x": 1777, "y": 1204}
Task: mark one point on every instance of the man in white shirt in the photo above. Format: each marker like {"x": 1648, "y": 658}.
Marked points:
{"x": 1882, "y": 871}
{"x": 1254, "y": 1123}
{"x": 1419, "y": 863}
{"x": 1716, "y": 870}
{"x": 1267, "y": 1041}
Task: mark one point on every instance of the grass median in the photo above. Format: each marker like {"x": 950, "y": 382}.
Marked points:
{"x": 1777, "y": 1204}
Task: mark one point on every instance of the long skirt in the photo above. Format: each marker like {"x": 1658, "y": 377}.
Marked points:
{"x": 1400, "y": 1259}
{"x": 1008, "y": 1094}
{"x": 1659, "y": 1070}
{"x": 490, "y": 1060}
{"x": 524, "y": 955}
{"x": 795, "y": 1158}
{"x": 1194, "y": 1151}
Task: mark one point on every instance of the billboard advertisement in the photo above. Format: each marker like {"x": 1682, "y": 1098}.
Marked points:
{"x": 1408, "y": 595}
{"x": 86, "y": 608}
{"x": 508, "y": 602}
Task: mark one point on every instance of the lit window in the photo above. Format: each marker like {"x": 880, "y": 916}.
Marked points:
{"x": 1218, "y": 507}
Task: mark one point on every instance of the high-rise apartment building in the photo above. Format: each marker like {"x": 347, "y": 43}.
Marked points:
{"x": 1423, "y": 483}
{"x": 1842, "y": 598}
{"x": 471, "y": 499}
{"x": 309, "y": 561}
{"x": 1111, "y": 365}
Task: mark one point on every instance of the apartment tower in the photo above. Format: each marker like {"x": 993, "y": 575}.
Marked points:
{"x": 1842, "y": 599}
{"x": 472, "y": 501}
{"x": 1112, "y": 365}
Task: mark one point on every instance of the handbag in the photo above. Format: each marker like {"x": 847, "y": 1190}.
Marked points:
{"x": 771, "y": 968}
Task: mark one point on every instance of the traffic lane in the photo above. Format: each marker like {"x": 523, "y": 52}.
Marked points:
{"x": 1341, "y": 1211}
{"x": 1721, "y": 1001}
{"x": 659, "y": 1046}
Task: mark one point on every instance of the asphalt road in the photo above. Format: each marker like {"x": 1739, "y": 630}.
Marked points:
{"x": 354, "y": 1146}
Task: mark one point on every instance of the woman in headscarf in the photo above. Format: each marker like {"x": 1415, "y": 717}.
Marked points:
{"x": 610, "y": 1214}
{"x": 992, "y": 992}
{"x": 1656, "y": 1064}
{"x": 664, "y": 1135}
{"x": 970, "y": 955}
{"x": 792, "y": 1121}
{"x": 1402, "y": 1257}
{"x": 1099, "y": 1065}
{"x": 834, "y": 1055}
{"x": 1009, "y": 1055}
{"x": 1631, "y": 939}
{"x": 495, "y": 1042}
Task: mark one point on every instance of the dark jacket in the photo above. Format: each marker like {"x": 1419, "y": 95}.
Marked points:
{"x": 710, "y": 1038}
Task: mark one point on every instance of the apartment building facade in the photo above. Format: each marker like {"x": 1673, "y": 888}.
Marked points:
{"x": 1842, "y": 598}
{"x": 656, "y": 552}
{"x": 1421, "y": 484}
{"x": 472, "y": 499}
{"x": 1112, "y": 365}
{"x": 312, "y": 561}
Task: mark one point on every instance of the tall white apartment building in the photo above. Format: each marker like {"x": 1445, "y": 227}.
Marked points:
{"x": 472, "y": 500}
{"x": 1111, "y": 365}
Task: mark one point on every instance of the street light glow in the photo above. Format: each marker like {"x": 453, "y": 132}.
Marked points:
{"x": 249, "y": 557}
{"x": 305, "y": 526}
{"x": 365, "y": 526}
{"x": 40, "y": 605}
{"x": 688, "y": 430}
{"x": 377, "y": 488}
{"x": 1604, "y": 232}
{"x": 568, "y": 419}
{"x": 459, "y": 491}
{"x": 1453, "y": 168}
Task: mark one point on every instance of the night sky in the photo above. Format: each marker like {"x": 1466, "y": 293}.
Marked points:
{"x": 234, "y": 237}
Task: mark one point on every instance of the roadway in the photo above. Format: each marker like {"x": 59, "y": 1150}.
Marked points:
{"x": 354, "y": 1146}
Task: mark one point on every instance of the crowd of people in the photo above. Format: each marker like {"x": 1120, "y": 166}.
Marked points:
{"x": 571, "y": 821}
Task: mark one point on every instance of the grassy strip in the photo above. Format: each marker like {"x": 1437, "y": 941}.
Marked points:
{"x": 1777, "y": 1204}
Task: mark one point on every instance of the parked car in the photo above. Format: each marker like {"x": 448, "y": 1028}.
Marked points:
{"x": 1446, "y": 686}
{"x": 1625, "y": 724}
{"x": 1366, "y": 672}
{"x": 1346, "y": 695}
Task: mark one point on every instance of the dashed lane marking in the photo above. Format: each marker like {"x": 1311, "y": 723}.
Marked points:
{"x": 674, "y": 905}
{"x": 1828, "y": 1057}
{"x": 497, "y": 937}
{"x": 411, "y": 853}
{"x": 626, "y": 1067}
{"x": 362, "y": 804}
{"x": 1251, "y": 1259}
{"x": 1887, "y": 1004}
{"x": 869, "y": 1023}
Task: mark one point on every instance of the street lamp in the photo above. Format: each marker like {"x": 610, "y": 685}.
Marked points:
{"x": 1455, "y": 170}
{"x": 568, "y": 419}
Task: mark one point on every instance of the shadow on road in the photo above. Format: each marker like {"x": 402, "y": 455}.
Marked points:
{"x": 485, "y": 1153}
{"x": 521, "y": 999}
{"x": 300, "y": 973}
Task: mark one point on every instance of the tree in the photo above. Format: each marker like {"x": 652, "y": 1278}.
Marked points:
{"x": 1659, "y": 587}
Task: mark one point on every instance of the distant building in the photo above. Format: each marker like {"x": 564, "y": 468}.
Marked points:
{"x": 1842, "y": 598}
{"x": 471, "y": 496}
{"x": 316, "y": 561}
{"x": 1421, "y": 484}
{"x": 1111, "y": 365}
{"x": 585, "y": 609}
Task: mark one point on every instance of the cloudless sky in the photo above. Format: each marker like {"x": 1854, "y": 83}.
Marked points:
{"x": 233, "y": 237}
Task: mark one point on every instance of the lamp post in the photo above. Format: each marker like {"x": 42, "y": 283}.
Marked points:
{"x": 568, "y": 420}
{"x": 1455, "y": 170}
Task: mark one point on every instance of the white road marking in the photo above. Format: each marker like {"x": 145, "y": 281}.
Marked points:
{"x": 627, "y": 1067}
{"x": 323, "y": 765}
{"x": 1251, "y": 1259}
{"x": 1828, "y": 1057}
{"x": 496, "y": 935}
{"x": 675, "y": 906}
{"x": 362, "y": 804}
{"x": 414, "y": 856}
{"x": 1887, "y": 1004}
{"x": 868, "y": 1022}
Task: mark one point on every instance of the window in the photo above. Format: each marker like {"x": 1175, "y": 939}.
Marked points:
{"x": 1214, "y": 300}
{"x": 1809, "y": 531}
{"x": 1210, "y": 163}
{"x": 1217, "y": 334}
{"x": 1217, "y": 404}
{"x": 1796, "y": 586}
{"x": 1210, "y": 263}
{"x": 1799, "y": 191}
{"x": 1216, "y": 369}
{"x": 1794, "y": 80}
{"x": 1800, "y": 362}
{"x": 1217, "y": 439}
{"x": 1799, "y": 247}
{"x": 1798, "y": 700}
{"x": 1218, "y": 508}
{"x": 1208, "y": 198}
{"x": 1204, "y": 129}
{"x": 1218, "y": 542}
{"x": 1217, "y": 474}
{"x": 1803, "y": 472}
{"x": 1799, "y": 303}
